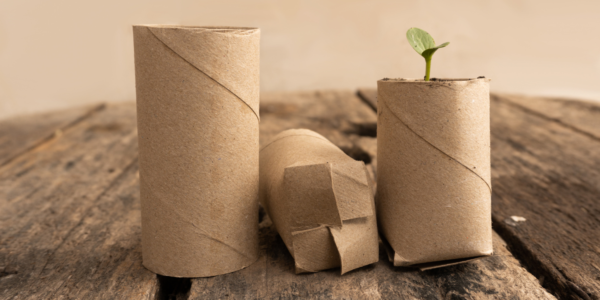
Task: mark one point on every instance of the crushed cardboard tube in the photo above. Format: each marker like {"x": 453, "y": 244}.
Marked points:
{"x": 197, "y": 108}
{"x": 320, "y": 201}
{"x": 434, "y": 181}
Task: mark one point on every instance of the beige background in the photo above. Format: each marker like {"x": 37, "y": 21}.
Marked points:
{"x": 62, "y": 53}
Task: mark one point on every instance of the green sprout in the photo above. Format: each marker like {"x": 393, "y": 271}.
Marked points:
{"x": 424, "y": 44}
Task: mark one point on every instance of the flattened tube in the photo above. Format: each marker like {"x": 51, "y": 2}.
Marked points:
{"x": 434, "y": 187}
{"x": 197, "y": 111}
{"x": 320, "y": 200}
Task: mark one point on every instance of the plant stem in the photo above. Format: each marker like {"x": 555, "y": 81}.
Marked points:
{"x": 427, "y": 67}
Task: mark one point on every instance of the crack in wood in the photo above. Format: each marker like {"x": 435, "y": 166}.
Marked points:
{"x": 370, "y": 101}
{"x": 362, "y": 129}
{"x": 172, "y": 288}
{"x": 357, "y": 153}
{"x": 526, "y": 256}
{"x": 5, "y": 273}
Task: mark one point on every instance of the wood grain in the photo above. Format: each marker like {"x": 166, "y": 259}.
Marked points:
{"x": 273, "y": 277}
{"x": 549, "y": 174}
{"x": 21, "y": 134}
{"x": 581, "y": 116}
{"x": 69, "y": 217}
{"x": 337, "y": 115}
{"x": 545, "y": 168}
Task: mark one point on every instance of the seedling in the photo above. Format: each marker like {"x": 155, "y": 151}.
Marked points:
{"x": 424, "y": 44}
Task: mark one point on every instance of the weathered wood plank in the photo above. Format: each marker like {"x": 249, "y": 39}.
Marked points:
{"x": 273, "y": 277}
{"x": 334, "y": 114}
{"x": 20, "y": 134}
{"x": 550, "y": 175}
{"x": 545, "y": 168}
{"x": 102, "y": 256}
{"x": 69, "y": 215}
{"x": 582, "y": 116}
{"x": 497, "y": 277}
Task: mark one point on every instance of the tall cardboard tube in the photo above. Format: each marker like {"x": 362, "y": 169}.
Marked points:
{"x": 320, "y": 201}
{"x": 434, "y": 187}
{"x": 197, "y": 109}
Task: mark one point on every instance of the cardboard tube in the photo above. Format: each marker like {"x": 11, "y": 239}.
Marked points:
{"x": 197, "y": 109}
{"x": 433, "y": 185}
{"x": 320, "y": 200}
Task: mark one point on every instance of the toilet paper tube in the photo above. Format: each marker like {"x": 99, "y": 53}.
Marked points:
{"x": 433, "y": 185}
{"x": 197, "y": 109}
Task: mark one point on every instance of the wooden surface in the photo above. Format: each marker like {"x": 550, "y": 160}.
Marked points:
{"x": 580, "y": 116}
{"x": 70, "y": 212}
{"x": 272, "y": 277}
{"x": 22, "y": 134}
{"x": 546, "y": 168}
{"x": 69, "y": 217}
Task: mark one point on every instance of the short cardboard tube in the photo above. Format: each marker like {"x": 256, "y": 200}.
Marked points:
{"x": 434, "y": 182}
{"x": 197, "y": 109}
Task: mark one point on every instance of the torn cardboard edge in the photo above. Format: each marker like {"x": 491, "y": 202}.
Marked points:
{"x": 430, "y": 265}
{"x": 320, "y": 201}
{"x": 446, "y": 263}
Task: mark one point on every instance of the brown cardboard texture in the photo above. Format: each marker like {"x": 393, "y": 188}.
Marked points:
{"x": 197, "y": 109}
{"x": 433, "y": 185}
{"x": 320, "y": 200}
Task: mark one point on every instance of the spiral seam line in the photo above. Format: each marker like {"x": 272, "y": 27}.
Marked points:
{"x": 195, "y": 67}
{"x": 432, "y": 145}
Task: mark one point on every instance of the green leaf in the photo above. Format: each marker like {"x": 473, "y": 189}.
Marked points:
{"x": 419, "y": 39}
{"x": 429, "y": 52}
{"x": 442, "y": 45}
